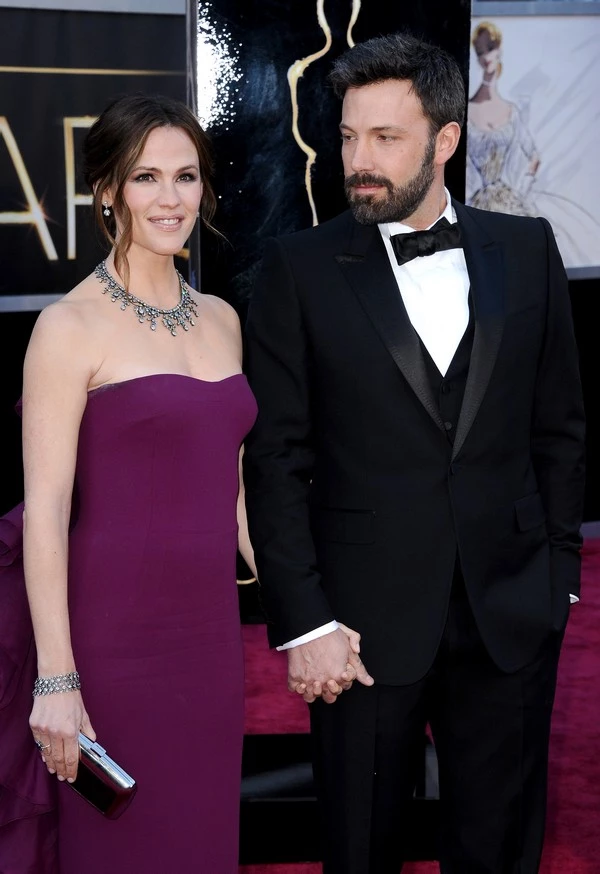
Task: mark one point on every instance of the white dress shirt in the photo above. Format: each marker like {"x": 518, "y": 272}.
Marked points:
{"x": 435, "y": 292}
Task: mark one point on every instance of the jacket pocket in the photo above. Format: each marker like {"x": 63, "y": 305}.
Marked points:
{"x": 345, "y": 526}
{"x": 530, "y": 512}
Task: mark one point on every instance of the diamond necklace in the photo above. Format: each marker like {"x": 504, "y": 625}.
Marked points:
{"x": 178, "y": 316}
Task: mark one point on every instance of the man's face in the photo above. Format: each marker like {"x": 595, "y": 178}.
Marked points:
{"x": 388, "y": 151}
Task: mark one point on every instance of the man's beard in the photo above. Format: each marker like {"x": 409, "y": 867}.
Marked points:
{"x": 400, "y": 202}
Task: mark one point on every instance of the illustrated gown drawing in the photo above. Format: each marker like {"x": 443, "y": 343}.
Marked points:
{"x": 499, "y": 178}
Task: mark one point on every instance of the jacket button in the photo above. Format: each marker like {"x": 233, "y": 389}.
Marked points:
{"x": 448, "y": 426}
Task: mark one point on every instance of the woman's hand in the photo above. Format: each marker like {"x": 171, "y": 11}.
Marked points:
{"x": 55, "y": 722}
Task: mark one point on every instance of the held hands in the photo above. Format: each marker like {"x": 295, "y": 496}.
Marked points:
{"x": 327, "y": 666}
{"x": 55, "y": 722}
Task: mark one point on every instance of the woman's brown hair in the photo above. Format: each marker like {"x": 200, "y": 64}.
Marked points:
{"x": 112, "y": 148}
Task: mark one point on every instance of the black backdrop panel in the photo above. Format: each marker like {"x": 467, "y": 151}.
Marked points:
{"x": 261, "y": 167}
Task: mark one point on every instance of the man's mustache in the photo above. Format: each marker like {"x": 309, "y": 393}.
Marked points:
{"x": 367, "y": 179}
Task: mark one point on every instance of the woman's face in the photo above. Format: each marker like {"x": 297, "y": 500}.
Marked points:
{"x": 163, "y": 192}
{"x": 488, "y": 53}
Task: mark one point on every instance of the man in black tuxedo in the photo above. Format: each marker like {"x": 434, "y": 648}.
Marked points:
{"x": 416, "y": 472}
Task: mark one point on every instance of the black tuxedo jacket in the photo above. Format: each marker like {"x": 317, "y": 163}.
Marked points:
{"x": 359, "y": 502}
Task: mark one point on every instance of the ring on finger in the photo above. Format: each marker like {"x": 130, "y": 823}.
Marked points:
{"x": 41, "y": 746}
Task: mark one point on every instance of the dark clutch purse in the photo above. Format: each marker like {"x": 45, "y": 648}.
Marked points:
{"x": 101, "y": 781}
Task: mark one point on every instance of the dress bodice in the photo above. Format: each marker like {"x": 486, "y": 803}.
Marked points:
{"x": 137, "y": 436}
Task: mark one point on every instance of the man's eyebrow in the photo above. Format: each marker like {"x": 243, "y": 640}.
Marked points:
{"x": 392, "y": 127}
{"x": 378, "y": 128}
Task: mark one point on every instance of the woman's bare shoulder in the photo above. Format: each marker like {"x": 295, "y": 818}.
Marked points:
{"x": 70, "y": 324}
{"x": 219, "y": 309}
{"x": 80, "y": 303}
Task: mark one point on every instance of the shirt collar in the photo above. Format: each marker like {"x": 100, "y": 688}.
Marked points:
{"x": 389, "y": 228}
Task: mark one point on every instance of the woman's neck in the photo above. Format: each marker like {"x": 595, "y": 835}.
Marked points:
{"x": 152, "y": 277}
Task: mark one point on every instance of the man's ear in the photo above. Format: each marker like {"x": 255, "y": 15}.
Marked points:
{"x": 446, "y": 142}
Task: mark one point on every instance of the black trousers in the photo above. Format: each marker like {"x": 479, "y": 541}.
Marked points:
{"x": 491, "y": 733}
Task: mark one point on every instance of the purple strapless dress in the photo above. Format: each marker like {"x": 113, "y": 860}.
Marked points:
{"x": 156, "y": 634}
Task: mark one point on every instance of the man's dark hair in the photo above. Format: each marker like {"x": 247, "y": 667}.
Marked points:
{"x": 435, "y": 75}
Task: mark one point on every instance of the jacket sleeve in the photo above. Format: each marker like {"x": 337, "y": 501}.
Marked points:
{"x": 558, "y": 441}
{"x": 279, "y": 454}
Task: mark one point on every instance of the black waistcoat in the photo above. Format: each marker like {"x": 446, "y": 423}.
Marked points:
{"x": 449, "y": 390}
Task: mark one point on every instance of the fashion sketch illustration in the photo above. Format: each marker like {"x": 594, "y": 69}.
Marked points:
{"x": 530, "y": 152}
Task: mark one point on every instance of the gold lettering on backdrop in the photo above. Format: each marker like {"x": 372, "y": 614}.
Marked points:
{"x": 74, "y": 199}
{"x": 295, "y": 73}
{"x": 86, "y": 71}
{"x": 34, "y": 215}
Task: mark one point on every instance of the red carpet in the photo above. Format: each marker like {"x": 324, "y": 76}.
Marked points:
{"x": 573, "y": 833}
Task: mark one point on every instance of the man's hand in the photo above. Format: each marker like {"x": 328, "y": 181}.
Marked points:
{"x": 326, "y": 666}
{"x": 317, "y": 667}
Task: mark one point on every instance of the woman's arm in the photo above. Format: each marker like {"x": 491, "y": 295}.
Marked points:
{"x": 230, "y": 339}
{"x": 244, "y": 545}
{"x": 55, "y": 380}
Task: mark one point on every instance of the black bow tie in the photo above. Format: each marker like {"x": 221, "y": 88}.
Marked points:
{"x": 442, "y": 235}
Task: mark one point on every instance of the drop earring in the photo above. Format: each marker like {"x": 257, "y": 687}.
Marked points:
{"x": 106, "y": 209}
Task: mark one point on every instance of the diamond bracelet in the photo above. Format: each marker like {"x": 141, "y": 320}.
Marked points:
{"x": 61, "y": 683}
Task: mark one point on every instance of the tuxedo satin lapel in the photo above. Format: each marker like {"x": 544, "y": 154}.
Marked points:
{"x": 486, "y": 275}
{"x": 366, "y": 266}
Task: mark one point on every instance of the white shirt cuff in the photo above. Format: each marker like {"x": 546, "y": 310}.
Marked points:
{"x": 574, "y": 599}
{"x": 310, "y": 635}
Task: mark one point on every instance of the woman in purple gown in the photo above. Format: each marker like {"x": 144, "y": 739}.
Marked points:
{"x": 134, "y": 413}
